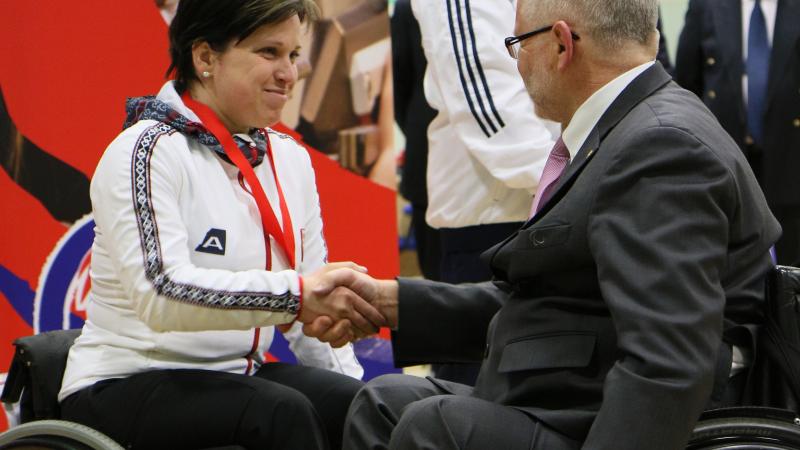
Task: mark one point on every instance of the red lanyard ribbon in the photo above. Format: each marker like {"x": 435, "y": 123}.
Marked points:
{"x": 269, "y": 222}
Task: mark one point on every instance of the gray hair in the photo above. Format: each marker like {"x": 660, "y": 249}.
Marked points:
{"x": 611, "y": 23}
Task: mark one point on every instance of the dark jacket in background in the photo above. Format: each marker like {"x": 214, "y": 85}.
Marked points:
{"x": 710, "y": 64}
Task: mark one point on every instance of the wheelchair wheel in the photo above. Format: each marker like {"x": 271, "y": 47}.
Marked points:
{"x": 55, "y": 435}
{"x": 745, "y": 433}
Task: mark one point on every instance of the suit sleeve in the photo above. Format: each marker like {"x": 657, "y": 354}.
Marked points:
{"x": 659, "y": 233}
{"x": 689, "y": 58}
{"x": 473, "y": 82}
{"x": 136, "y": 198}
{"x": 441, "y": 322}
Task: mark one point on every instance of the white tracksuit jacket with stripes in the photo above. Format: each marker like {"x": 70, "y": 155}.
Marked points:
{"x": 487, "y": 148}
{"x": 163, "y": 293}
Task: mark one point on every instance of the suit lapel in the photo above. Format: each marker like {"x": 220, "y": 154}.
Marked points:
{"x": 785, "y": 39}
{"x": 640, "y": 88}
{"x": 728, "y": 32}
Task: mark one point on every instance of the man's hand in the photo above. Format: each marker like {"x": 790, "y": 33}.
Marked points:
{"x": 381, "y": 294}
{"x": 284, "y": 328}
{"x": 324, "y": 297}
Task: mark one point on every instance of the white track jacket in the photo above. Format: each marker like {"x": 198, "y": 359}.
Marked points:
{"x": 177, "y": 269}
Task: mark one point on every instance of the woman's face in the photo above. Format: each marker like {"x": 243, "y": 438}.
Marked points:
{"x": 251, "y": 80}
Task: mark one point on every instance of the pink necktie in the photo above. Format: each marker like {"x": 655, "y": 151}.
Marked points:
{"x": 553, "y": 168}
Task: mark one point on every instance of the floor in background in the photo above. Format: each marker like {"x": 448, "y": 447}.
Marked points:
{"x": 419, "y": 371}
{"x": 409, "y": 267}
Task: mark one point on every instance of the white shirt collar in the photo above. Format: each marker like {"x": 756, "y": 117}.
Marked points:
{"x": 170, "y": 96}
{"x": 770, "y": 10}
{"x": 589, "y": 113}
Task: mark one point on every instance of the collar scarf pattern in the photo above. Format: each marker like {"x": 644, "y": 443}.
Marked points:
{"x": 150, "y": 108}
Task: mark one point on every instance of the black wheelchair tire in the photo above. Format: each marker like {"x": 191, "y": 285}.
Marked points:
{"x": 745, "y": 433}
{"x": 59, "y": 434}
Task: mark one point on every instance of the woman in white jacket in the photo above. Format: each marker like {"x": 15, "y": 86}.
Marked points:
{"x": 206, "y": 220}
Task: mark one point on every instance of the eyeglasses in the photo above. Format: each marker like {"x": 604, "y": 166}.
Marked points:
{"x": 513, "y": 43}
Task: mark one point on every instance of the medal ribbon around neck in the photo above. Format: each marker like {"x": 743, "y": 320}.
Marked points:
{"x": 269, "y": 223}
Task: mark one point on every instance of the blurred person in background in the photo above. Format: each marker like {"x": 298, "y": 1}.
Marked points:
{"x": 486, "y": 146}
{"x": 742, "y": 58}
{"x": 413, "y": 114}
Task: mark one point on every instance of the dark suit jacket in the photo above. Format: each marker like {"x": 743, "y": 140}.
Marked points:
{"x": 709, "y": 63}
{"x": 608, "y": 308}
{"x": 411, "y": 110}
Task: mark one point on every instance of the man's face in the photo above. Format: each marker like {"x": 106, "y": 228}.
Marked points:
{"x": 536, "y": 64}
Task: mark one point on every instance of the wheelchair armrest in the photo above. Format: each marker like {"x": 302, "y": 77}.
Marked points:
{"x": 35, "y": 374}
{"x": 15, "y": 380}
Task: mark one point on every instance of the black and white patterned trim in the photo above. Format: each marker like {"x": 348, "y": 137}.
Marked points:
{"x": 283, "y": 136}
{"x": 151, "y": 247}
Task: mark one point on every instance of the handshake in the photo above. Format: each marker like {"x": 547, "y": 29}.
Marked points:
{"x": 341, "y": 304}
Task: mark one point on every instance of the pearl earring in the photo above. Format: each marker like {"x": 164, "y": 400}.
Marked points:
{"x": 206, "y": 74}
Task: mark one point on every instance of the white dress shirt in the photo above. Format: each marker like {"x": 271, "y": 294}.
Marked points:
{"x": 589, "y": 113}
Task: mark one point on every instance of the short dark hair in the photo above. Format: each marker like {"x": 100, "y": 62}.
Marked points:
{"x": 219, "y": 22}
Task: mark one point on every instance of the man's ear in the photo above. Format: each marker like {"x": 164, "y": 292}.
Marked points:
{"x": 204, "y": 58}
{"x": 566, "y": 45}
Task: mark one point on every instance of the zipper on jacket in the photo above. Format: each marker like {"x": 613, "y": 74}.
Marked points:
{"x": 253, "y": 350}
{"x": 257, "y": 331}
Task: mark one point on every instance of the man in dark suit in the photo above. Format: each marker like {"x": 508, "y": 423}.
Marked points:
{"x": 756, "y": 99}
{"x": 611, "y": 320}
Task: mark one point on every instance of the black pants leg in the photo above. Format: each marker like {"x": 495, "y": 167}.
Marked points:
{"x": 193, "y": 409}
{"x": 329, "y": 392}
{"x": 788, "y": 246}
{"x": 461, "y": 263}
{"x": 429, "y": 248}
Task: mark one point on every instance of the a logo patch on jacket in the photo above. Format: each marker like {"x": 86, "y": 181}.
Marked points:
{"x": 213, "y": 243}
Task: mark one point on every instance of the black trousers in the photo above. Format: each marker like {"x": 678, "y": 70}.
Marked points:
{"x": 787, "y": 248}
{"x": 282, "y": 406}
{"x": 428, "y": 245}
{"x": 461, "y": 263}
{"x": 400, "y": 412}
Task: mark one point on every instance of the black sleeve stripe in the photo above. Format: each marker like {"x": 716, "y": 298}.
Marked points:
{"x": 461, "y": 71}
{"x": 480, "y": 66}
{"x": 470, "y": 69}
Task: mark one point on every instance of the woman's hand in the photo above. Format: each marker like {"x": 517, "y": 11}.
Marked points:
{"x": 284, "y": 328}
{"x": 327, "y": 293}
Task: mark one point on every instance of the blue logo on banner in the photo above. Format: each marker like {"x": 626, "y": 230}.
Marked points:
{"x": 60, "y": 301}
